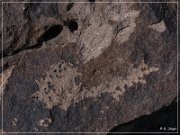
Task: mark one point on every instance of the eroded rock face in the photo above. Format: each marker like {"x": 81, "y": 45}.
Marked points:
{"x": 86, "y": 67}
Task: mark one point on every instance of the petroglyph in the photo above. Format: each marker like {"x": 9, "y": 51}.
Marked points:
{"x": 60, "y": 88}
{"x": 99, "y": 36}
{"x": 159, "y": 27}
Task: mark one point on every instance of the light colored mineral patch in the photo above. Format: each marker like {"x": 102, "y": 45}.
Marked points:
{"x": 45, "y": 122}
{"x": 159, "y": 27}
{"x": 63, "y": 91}
{"x": 14, "y": 121}
{"x": 4, "y": 78}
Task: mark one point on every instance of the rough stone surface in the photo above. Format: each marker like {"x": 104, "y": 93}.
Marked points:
{"x": 165, "y": 119}
{"x": 86, "y": 67}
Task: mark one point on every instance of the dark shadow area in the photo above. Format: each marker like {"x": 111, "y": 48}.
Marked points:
{"x": 69, "y": 6}
{"x": 52, "y": 32}
{"x": 162, "y": 120}
{"x": 72, "y": 25}
{"x": 166, "y": 12}
{"x": 49, "y": 34}
{"x": 92, "y": 1}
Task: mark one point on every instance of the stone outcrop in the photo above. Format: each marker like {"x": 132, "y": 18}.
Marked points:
{"x": 86, "y": 67}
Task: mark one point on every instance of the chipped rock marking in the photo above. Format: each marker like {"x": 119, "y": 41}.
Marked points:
{"x": 45, "y": 122}
{"x": 116, "y": 87}
{"x": 60, "y": 88}
{"x": 99, "y": 35}
{"x": 128, "y": 21}
{"x": 95, "y": 38}
{"x": 159, "y": 27}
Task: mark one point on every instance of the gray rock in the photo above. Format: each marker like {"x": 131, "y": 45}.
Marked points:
{"x": 86, "y": 67}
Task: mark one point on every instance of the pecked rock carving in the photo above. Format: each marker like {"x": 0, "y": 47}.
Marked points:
{"x": 86, "y": 67}
{"x": 159, "y": 27}
{"x": 59, "y": 88}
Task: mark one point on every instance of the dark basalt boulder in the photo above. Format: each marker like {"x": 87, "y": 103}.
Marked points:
{"x": 86, "y": 67}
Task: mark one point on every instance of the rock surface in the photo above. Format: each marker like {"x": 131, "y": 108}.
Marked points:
{"x": 164, "y": 120}
{"x": 86, "y": 67}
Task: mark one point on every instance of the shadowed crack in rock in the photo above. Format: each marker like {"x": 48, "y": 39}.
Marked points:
{"x": 49, "y": 34}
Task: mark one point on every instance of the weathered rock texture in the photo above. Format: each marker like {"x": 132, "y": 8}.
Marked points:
{"x": 164, "y": 120}
{"x": 86, "y": 67}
